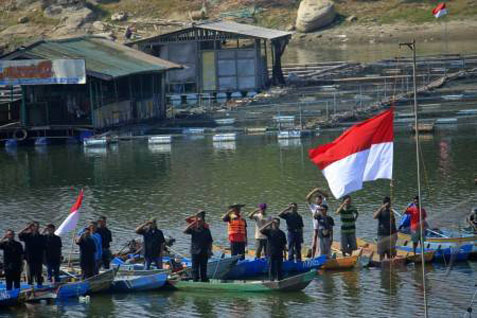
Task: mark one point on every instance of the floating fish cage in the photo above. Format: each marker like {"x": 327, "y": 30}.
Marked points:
{"x": 193, "y": 131}
{"x": 284, "y": 119}
{"x": 160, "y": 140}
{"x": 289, "y": 134}
{"x": 225, "y": 121}
{"x": 224, "y": 137}
{"x": 95, "y": 142}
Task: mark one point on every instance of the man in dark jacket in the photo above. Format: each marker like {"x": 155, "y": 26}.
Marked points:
{"x": 106, "y": 239}
{"x": 53, "y": 247}
{"x": 200, "y": 246}
{"x": 34, "y": 252}
{"x": 87, "y": 253}
{"x": 154, "y": 243}
{"x": 12, "y": 259}
{"x": 295, "y": 231}
{"x": 276, "y": 244}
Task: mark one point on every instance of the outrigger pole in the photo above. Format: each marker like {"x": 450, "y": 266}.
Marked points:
{"x": 412, "y": 46}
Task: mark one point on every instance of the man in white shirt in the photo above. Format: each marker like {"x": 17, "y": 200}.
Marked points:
{"x": 260, "y": 217}
{"x": 319, "y": 200}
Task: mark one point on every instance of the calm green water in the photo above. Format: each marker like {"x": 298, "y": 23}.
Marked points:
{"x": 133, "y": 182}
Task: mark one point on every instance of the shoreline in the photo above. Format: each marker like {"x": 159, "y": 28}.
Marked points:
{"x": 356, "y": 33}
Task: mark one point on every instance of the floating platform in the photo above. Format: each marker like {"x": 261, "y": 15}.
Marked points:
{"x": 224, "y": 137}
{"x": 289, "y": 134}
{"x": 160, "y": 139}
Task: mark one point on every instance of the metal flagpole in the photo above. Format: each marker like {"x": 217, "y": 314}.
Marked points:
{"x": 412, "y": 46}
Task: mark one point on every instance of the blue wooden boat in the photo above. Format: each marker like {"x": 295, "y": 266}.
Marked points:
{"x": 129, "y": 283}
{"x": 98, "y": 283}
{"x": 443, "y": 252}
{"x": 250, "y": 268}
{"x": 9, "y": 297}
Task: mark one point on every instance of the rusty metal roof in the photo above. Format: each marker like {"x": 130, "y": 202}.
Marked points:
{"x": 230, "y": 27}
{"x": 104, "y": 58}
{"x": 244, "y": 29}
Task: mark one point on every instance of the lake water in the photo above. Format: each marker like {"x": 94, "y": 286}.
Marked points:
{"x": 132, "y": 182}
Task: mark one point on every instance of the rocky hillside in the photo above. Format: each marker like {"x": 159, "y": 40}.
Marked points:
{"x": 27, "y": 20}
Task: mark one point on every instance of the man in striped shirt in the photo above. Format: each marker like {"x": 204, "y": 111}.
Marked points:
{"x": 349, "y": 215}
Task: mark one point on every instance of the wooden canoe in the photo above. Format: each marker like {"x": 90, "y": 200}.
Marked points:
{"x": 290, "y": 284}
{"x": 341, "y": 263}
{"x": 98, "y": 283}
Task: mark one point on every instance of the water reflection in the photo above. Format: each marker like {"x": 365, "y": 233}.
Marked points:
{"x": 159, "y": 148}
{"x": 225, "y": 145}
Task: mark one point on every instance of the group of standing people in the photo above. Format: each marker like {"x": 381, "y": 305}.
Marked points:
{"x": 94, "y": 242}
{"x": 45, "y": 249}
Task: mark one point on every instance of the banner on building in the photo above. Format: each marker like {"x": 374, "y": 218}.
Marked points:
{"x": 42, "y": 72}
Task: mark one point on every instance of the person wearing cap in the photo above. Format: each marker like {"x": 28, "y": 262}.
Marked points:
{"x": 53, "y": 247}
{"x": 320, "y": 199}
{"x": 349, "y": 214}
{"x": 413, "y": 210}
{"x": 387, "y": 232}
{"x": 200, "y": 246}
{"x": 276, "y": 244}
{"x": 237, "y": 230}
{"x": 154, "y": 243}
{"x": 106, "y": 239}
{"x": 295, "y": 231}
{"x": 260, "y": 217}
{"x": 472, "y": 220}
{"x": 87, "y": 247}
{"x": 325, "y": 229}
{"x": 34, "y": 252}
{"x": 12, "y": 260}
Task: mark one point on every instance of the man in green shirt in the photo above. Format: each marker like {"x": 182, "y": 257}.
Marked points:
{"x": 349, "y": 215}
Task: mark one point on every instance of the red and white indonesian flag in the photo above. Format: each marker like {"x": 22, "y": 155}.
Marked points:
{"x": 440, "y": 10}
{"x": 364, "y": 152}
{"x": 71, "y": 221}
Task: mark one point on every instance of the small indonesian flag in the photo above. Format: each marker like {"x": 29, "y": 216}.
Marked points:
{"x": 440, "y": 10}
{"x": 364, "y": 152}
{"x": 71, "y": 221}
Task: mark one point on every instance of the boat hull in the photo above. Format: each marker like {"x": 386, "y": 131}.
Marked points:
{"x": 294, "y": 283}
{"x": 258, "y": 267}
{"x": 138, "y": 283}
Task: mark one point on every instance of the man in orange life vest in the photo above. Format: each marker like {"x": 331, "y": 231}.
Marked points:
{"x": 237, "y": 228}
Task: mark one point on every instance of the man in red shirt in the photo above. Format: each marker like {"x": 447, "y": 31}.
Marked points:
{"x": 413, "y": 211}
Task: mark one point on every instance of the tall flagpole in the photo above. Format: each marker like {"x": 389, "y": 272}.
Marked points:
{"x": 412, "y": 46}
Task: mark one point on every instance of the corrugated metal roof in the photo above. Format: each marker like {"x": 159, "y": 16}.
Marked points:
{"x": 245, "y": 29}
{"x": 104, "y": 58}
{"x": 225, "y": 26}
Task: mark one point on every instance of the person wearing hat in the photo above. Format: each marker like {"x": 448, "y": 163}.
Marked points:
{"x": 200, "y": 246}
{"x": 87, "y": 247}
{"x": 413, "y": 210}
{"x": 387, "y": 232}
{"x": 237, "y": 230}
{"x": 154, "y": 243}
{"x": 260, "y": 217}
{"x": 315, "y": 206}
{"x": 295, "y": 231}
{"x": 192, "y": 219}
{"x": 53, "y": 247}
{"x": 472, "y": 220}
{"x": 276, "y": 244}
{"x": 325, "y": 229}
